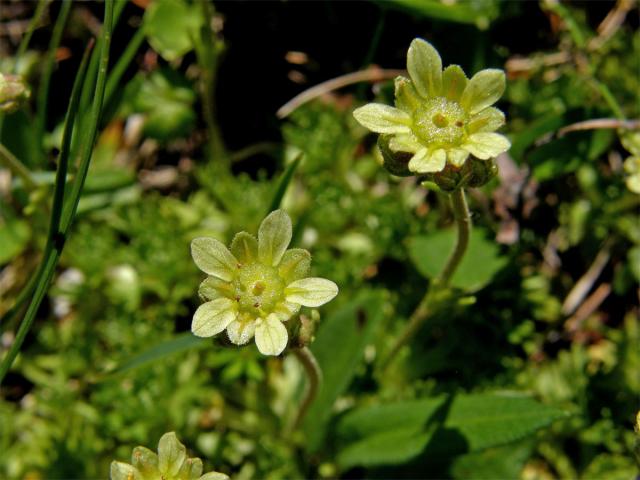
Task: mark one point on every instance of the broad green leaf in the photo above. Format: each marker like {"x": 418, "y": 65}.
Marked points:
{"x": 389, "y": 433}
{"x": 14, "y": 236}
{"x": 482, "y": 261}
{"x": 387, "y": 448}
{"x": 499, "y": 462}
{"x": 171, "y": 26}
{"x": 166, "y": 99}
{"x": 339, "y": 348}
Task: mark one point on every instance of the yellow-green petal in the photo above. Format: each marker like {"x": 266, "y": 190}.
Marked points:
{"x": 286, "y": 310}
{"x": 124, "y": 471}
{"x": 274, "y": 236}
{"x": 406, "y": 96}
{"x": 486, "y": 145}
{"x": 295, "y": 264}
{"x": 213, "y": 317}
{"x": 454, "y": 81}
{"x": 457, "y": 156}
{"x": 404, "y": 143}
{"x": 425, "y": 68}
{"x": 213, "y": 258}
{"x": 191, "y": 469}
{"x": 381, "y": 118}
{"x": 633, "y": 183}
{"x": 271, "y": 336}
{"x": 488, "y": 120}
{"x": 212, "y": 288}
{"x": 425, "y": 161}
{"x": 171, "y": 455}
{"x": 311, "y": 292}
{"x": 245, "y": 247}
{"x": 240, "y": 332}
{"x": 484, "y": 89}
{"x": 145, "y": 461}
{"x": 214, "y": 476}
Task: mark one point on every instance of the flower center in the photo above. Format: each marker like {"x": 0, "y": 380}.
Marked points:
{"x": 440, "y": 121}
{"x": 258, "y": 289}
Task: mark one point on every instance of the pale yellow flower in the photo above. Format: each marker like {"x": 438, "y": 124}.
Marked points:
{"x": 256, "y": 285}
{"x": 440, "y": 117}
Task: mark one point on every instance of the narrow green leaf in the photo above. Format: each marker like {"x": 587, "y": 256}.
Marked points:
{"x": 283, "y": 183}
{"x": 43, "y": 92}
{"x": 181, "y": 343}
{"x": 55, "y": 242}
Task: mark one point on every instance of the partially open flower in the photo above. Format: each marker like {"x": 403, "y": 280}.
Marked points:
{"x": 170, "y": 463}
{"x": 256, "y": 285}
{"x": 441, "y": 117}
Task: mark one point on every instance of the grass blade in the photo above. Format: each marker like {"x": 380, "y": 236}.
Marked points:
{"x": 58, "y": 235}
{"x": 43, "y": 91}
{"x": 181, "y": 343}
{"x": 283, "y": 183}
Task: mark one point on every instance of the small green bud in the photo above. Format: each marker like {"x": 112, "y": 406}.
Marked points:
{"x": 474, "y": 173}
{"x": 13, "y": 92}
{"x": 396, "y": 163}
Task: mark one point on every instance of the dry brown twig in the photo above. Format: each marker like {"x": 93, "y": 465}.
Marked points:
{"x": 584, "y": 284}
{"x": 371, "y": 74}
{"x": 598, "y": 124}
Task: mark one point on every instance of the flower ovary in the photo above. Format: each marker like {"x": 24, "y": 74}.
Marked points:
{"x": 440, "y": 121}
{"x": 258, "y": 289}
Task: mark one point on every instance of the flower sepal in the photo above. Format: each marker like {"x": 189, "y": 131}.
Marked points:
{"x": 474, "y": 173}
{"x": 396, "y": 163}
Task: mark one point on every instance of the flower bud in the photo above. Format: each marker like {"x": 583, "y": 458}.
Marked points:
{"x": 13, "y": 92}
{"x": 473, "y": 173}
{"x": 396, "y": 163}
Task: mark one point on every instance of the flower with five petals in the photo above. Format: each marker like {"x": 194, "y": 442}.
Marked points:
{"x": 256, "y": 285}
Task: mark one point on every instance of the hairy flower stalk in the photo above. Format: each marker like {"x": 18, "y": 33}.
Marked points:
{"x": 256, "y": 285}
{"x": 441, "y": 118}
{"x": 443, "y": 127}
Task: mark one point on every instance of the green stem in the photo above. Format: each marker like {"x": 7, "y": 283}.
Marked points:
{"x": 207, "y": 56}
{"x": 61, "y": 222}
{"x": 43, "y": 91}
{"x": 10, "y": 161}
{"x": 441, "y": 282}
{"x": 314, "y": 373}
{"x": 463, "y": 222}
{"x": 123, "y": 62}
